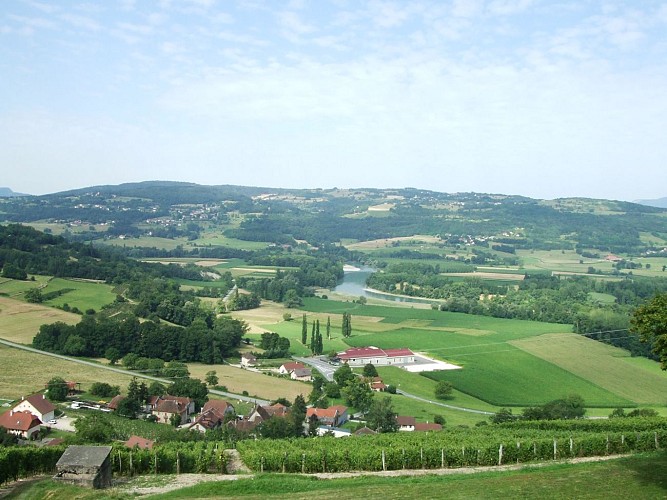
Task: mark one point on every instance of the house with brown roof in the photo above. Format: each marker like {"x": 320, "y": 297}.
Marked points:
{"x": 261, "y": 413}
{"x": 139, "y": 442}
{"x": 333, "y": 416}
{"x": 248, "y": 360}
{"x": 38, "y": 405}
{"x": 364, "y": 431}
{"x": 164, "y": 407}
{"x": 212, "y": 416}
{"x": 302, "y": 374}
{"x": 288, "y": 368}
{"x": 20, "y": 423}
{"x": 406, "y": 423}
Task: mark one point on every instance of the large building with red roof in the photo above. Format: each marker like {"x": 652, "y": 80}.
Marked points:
{"x": 361, "y": 356}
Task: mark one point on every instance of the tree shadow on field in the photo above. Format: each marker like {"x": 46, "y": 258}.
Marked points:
{"x": 650, "y": 470}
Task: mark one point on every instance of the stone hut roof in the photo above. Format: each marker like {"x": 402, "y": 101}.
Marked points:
{"x": 84, "y": 456}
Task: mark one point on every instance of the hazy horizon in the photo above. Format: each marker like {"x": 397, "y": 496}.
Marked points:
{"x": 525, "y": 97}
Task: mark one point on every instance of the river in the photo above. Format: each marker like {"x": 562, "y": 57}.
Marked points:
{"x": 354, "y": 284}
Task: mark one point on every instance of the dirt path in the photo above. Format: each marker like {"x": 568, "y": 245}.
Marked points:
{"x": 163, "y": 484}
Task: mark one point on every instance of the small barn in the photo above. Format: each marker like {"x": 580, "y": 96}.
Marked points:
{"x": 85, "y": 466}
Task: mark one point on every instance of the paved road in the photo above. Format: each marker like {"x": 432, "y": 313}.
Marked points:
{"x": 328, "y": 370}
{"x": 165, "y": 381}
{"x": 322, "y": 366}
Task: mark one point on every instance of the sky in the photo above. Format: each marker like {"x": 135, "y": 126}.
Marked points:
{"x": 539, "y": 98}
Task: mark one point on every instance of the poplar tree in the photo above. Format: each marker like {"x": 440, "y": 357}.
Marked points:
{"x": 304, "y": 330}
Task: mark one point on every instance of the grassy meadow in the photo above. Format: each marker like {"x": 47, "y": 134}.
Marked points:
{"x": 22, "y": 379}
{"x": 20, "y": 321}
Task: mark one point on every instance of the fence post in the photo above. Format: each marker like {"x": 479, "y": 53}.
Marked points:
{"x": 571, "y": 446}
{"x": 463, "y": 454}
{"x": 178, "y": 463}
{"x": 442, "y": 458}
{"x": 155, "y": 462}
{"x": 607, "y": 444}
{"x": 384, "y": 464}
{"x": 131, "y": 465}
{"x": 555, "y": 449}
{"x": 120, "y": 463}
{"x": 284, "y": 461}
{"x": 303, "y": 463}
{"x": 421, "y": 455}
{"x": 518, "y": 450}
{"x": 500, "y": 454}
{"x": 261, "y": 464}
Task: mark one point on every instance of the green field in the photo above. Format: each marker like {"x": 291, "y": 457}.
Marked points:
{"x": 82, "y": 294}
{"x": 506, "y": 362}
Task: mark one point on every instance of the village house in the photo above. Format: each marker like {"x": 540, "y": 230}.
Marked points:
{"x": 425, "y": 427}
{"x": 248, "y": 360}
{"x": 38, "y": 405}
{"x": 376, "y": 384}
{"x": 406, "y": 423}
{"x": 288, "y": 368}
{"x": 212, "y": 416}
{"x": 361, "y": 356}
{"x": 302, "y": 374}
{"x": 164, "y": 407}
{"x": 20, "y": 423}
{"x": 333, "y": 416}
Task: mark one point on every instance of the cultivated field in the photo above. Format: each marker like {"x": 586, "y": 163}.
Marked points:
{"x": 20, "y": 321}
{"x": 602, "y": 364}
{"x": 30, "y": 372}
{"x": 257, "y": 384}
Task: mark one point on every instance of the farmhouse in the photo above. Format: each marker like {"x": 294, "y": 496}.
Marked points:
{"x": 20, "y": 423}
{"x": 405, "y": 423}
{"x": 361, "y": 356}
{"x": 38, "y": 405}
{"x": 288, "y": 368}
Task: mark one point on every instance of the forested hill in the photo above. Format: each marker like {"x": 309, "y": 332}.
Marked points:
{"x": 172, "y": 209}
{"x": 24, "y": 251}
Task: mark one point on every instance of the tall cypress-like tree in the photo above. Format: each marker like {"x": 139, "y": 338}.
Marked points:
{"x": 304, "y": 330}
{"x": 328, "y": 327}
{"x": 312, "y": 338}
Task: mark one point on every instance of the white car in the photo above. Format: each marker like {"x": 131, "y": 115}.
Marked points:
{"x": 53, "y": 421}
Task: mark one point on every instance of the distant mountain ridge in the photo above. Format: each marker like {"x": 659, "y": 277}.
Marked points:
{"x": 659, "y": 202}
{"x": 6, "y": 192}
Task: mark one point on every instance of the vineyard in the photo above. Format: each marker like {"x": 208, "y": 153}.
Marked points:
{"x": 487, "y": 445}
{"x": 173, "y": 458}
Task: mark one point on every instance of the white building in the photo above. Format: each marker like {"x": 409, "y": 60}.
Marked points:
{"x": 361, "y": 356}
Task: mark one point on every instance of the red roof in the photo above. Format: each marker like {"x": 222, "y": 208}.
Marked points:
{"x": 139, "y": 442}
{"x": 374, "y": 352}
{"x": 428, "y": 427}
{"x": 330, "y": 412}
{"x": 40, "y": 403}
{"x": 19, "y": 420}
{"x": 405, "y": 421}
{"x": 218, "y": 405}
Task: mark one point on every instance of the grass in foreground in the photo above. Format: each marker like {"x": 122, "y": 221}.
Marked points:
{"x": 639, "y": 476}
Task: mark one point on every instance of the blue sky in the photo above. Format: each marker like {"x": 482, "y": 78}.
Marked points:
{"x": 540, "y": 98}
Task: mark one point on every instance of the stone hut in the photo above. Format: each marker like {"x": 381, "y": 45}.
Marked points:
{"x": 85, "y": 466}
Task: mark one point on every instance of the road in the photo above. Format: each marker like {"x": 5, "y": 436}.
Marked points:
{"x": 165, "y": 381}
{"x": 328, "y": 370}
